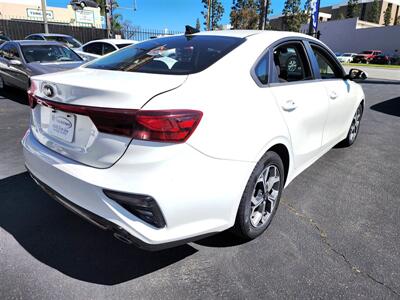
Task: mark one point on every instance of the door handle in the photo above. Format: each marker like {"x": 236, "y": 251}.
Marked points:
{"x": 333, "y": 95}
{"x": 289, "y": 105}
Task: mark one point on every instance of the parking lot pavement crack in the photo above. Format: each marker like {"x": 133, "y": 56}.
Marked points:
{"x": 324, "y": 239}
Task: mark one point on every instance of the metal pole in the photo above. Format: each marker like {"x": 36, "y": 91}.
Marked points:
{"x": 106, "y": 18}
{"x": 44, "y": 12}
{"x": 209, "y": 14}
{"x": 265, "y": 16}
{"x": 112, "y": 18}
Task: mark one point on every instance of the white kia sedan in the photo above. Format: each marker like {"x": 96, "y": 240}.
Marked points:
{"x": 176, "y": 138}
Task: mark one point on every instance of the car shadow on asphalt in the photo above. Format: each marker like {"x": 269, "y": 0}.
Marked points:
{"x": 62, "y": 240}
{"x": 15, "y": 95}
{"x": 390, "y": 107}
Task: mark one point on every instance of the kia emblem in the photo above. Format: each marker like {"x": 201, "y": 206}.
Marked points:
{"x": 48, "y": 90}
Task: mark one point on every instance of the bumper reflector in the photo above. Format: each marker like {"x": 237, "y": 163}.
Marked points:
{"x": 142, "y": 206}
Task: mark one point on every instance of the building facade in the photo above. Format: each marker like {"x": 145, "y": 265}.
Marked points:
{"x": 354, "y": 35}
{"x": 364, "y": 7}
{"x": 30, "y": 10}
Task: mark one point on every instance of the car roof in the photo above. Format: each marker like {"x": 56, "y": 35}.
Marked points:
{"x": 31, "y": 42}
{"x": 51, "y": 34}
{"x": 262, "y": 36}
{"x": 273, "y": 34}
{"x": 115, "y": 41}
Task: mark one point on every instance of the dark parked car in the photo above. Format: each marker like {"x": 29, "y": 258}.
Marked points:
{"x": 84, "y": 3}
{"x": 381, "y": 59}
{"x": 19, "y": 60}
{"x": 62, "y": 38}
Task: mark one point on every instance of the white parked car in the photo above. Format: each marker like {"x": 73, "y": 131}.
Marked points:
{"x": 97, "y": 48}
{"x": 162, "y": 153}
{"x": 346, "y": 57}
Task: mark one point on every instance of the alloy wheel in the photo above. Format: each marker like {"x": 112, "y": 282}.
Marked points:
{"x": 355, "y": 124}
{"x": 264, "y": 196}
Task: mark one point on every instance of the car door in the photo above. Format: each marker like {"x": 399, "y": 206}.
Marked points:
{"x": 339, "y": 93}
{"x": 10, "y": 72}
{"x": 16, "y": 67}
{"x": 301, "y": 99}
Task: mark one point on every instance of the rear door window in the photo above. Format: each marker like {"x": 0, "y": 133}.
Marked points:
{"x": 94, "y": 48}
{"x": 291, "y": 63}
{"x": 10, "y": 51}
{"x": 170, "y": 55}
{"x": 107, "y": 48}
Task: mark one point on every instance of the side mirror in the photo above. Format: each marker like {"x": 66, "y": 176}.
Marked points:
{"x": 15, "y": 62}
{"x": 356, "y": 74}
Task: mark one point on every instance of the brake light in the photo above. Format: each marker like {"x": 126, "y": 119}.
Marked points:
{"x": 166, "y": 125}
{"x": 173, "y": 126}
{"x": 31, "y": 91}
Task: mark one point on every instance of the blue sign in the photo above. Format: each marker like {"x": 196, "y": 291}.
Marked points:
{"x": 314, "y": 13}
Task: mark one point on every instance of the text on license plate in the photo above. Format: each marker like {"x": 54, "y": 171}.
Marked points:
{"x": 62, "y": 125}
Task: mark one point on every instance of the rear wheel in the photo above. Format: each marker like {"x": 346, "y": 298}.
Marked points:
{"x": 261, "y": 197}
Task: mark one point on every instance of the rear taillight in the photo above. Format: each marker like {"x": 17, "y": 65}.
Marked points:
{"x": 172, "y": 126}
{"x": 31, "y": 91}
{"x": 166, "y": 125}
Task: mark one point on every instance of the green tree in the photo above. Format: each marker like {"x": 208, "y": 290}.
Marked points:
{"x": 244, "y": 14}
{"x": 116, "y": 22}
{"x": 249, "y": 14}
{"x": 217, "y": 11}
{"x": 341, "y": 16}
{"x": 102, "y": 5}
{"x": 353, "y": 10}
{"x": 387, "y": 17}
{"x": 374, "y": 12}
{"x": 293, "y": 16}
{"x": 198, "y": 25}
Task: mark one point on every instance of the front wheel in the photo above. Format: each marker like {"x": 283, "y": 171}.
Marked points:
{"x": 354, "y": 128}
{"x": 261, "y": 197}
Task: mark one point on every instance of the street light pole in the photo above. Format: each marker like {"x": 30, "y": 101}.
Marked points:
{"x": 44, "y": 12}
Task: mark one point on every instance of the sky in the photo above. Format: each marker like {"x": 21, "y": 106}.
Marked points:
{"x": 174, "y": 14}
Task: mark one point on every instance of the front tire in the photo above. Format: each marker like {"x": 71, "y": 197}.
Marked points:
{"x": 261, "y": 197}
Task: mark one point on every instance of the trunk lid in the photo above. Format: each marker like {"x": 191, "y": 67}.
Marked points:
{"x": 66, "y": 127}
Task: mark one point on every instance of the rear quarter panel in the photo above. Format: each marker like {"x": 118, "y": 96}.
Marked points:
{"x": 240, "y": 119}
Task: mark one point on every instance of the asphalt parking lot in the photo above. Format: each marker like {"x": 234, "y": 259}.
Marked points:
{"x": 336, "y": 233}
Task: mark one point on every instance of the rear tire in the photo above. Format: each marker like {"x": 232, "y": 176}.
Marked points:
{"x": 354, "y": 128}
{"x": 260, "y": 198}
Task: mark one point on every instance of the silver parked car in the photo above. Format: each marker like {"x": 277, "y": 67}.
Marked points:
{"x": 19, "y": 60}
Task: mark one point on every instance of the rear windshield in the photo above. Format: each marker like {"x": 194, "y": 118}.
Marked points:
{"x": 67, "y": 40}
{"x": 366, "y": 52}
{"x": 169, "y": 55}
{"x": 48, "y": 53}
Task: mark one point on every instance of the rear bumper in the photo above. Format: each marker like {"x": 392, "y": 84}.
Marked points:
{"x": 197, "y": 195}
{"x": 104, "y": 224}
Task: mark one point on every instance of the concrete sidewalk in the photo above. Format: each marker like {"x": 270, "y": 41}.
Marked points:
{"x": 378, "y": 73}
